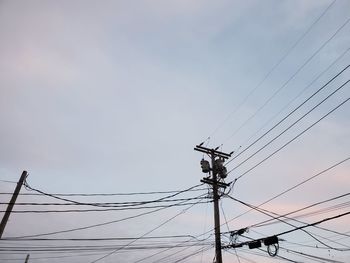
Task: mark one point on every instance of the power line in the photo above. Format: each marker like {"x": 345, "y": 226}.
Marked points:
{"x": 278, "y": 217}
{"x": 293, "y": 139}
{"x": 284, "y": 192}
{"x": 97, "y": 239}
{"x": 287, "y": 105}
{"x": 285, "y": 84}
{"x": 285, "y": 55}
{"x": 192, "y": 254}
{"x": 160, "y": 252}
{"x": 303, "y": 208}
{"x": 311, "y": 256}
{"x": 91, "y": 204}
{"x": 246, "y": 259}
{"x": 294, "y": 110}
{"x": 54, "y": 257}
{"x": 76, "y": 248}
{"x": 107, "y": 194}
{"x": 97, "y": 225}
{"x": 145, "y": 234}
{"x": 295, "y": 186}
{"x": 104, "y": 204}
{"x": 175, "y": 253}
{"x": 297, "y": 229}
{"x": 10, "y": 182}
{"x": 266, "y": 256}
{"x": 290, "y": 126}
{"x": 101, "y": 209}
{"x": 319, "y": 212}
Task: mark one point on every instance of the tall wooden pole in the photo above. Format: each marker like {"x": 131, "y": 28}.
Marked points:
{"x": 12, "y": 203}
{"x": 218, "y": 254}
{"x": 213, "y": 181}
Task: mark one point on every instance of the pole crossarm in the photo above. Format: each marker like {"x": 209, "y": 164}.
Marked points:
{"x": 209, "y": 151}
{"x": 207, "y": 180}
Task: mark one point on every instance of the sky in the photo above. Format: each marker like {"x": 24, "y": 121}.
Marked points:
{"x": 112, "y": 97}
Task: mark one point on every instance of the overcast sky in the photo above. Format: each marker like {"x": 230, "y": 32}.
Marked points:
{"x": 112, "y": 96}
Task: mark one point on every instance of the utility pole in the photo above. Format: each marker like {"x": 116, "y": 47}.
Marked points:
{"x": 27, "y": 259}
{"x": 12, "y": 202}
{"x": 216, "y": 170}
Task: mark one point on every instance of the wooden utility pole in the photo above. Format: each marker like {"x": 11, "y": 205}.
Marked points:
{"x": 216, "y": 169}
{"x": 12, "y": 202}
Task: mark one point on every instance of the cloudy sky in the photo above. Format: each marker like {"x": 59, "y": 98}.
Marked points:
{"x": 112, "y": 96}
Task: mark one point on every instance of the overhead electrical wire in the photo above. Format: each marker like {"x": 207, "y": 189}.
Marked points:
{"x": 305, "y": 246}
{"x": 51, "y": 257}
{"x": 290, "y": 126}
{"x": 105, "y": 204}
{"x": 288, "y": 104}
{"x": 205, "y": 227}
{"x": 228, "y": 229}
{"x": 293, "y": 139}
{"x": 101, "y": 205}
{"x": 93, "y": 248}
{"x": 285, "y": 191}
{"x": 256, "y": 253}
{"x": 312, "y": 256}
{"x": 173, "y": 254}
{"x": 296, "y": 186}
{"x": 272, "y": 69}
{"x": 107, "y": 194}
{"x": 7, "y": 181}
{"x": 264, "y": 223}
{"x": 285, "y": 83}
{"x": 101, "y": 209}
{"x": 278, "y": 217}
{"x": 169, "y": 255}
{"x": 303, "y": 227}
{"x": 267, "y": 256}
{"x": 145, "y": 234}
{"x": 186, "y": 241}
{"x": 244, "y": 258}
{"x": 98, "y": 239}
{"x": 192, "y": 254}
{"x": 97, "y": 225}
{"x": 326, "y": 210}
{"x": 293, "y": 111}
{"x": 163, "y": 251}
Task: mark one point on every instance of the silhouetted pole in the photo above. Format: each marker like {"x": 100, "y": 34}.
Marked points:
{"x": 12, "y": 203}
{"x": 216, "y": 212}
{"x": 27, "y": 259}
{"x": 217, "y": 169}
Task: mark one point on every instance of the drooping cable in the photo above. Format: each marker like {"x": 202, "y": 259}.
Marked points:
{"x": 97, "y": 225}
{"x": 100, "y": 205}
{"x": 145, "y": 234}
